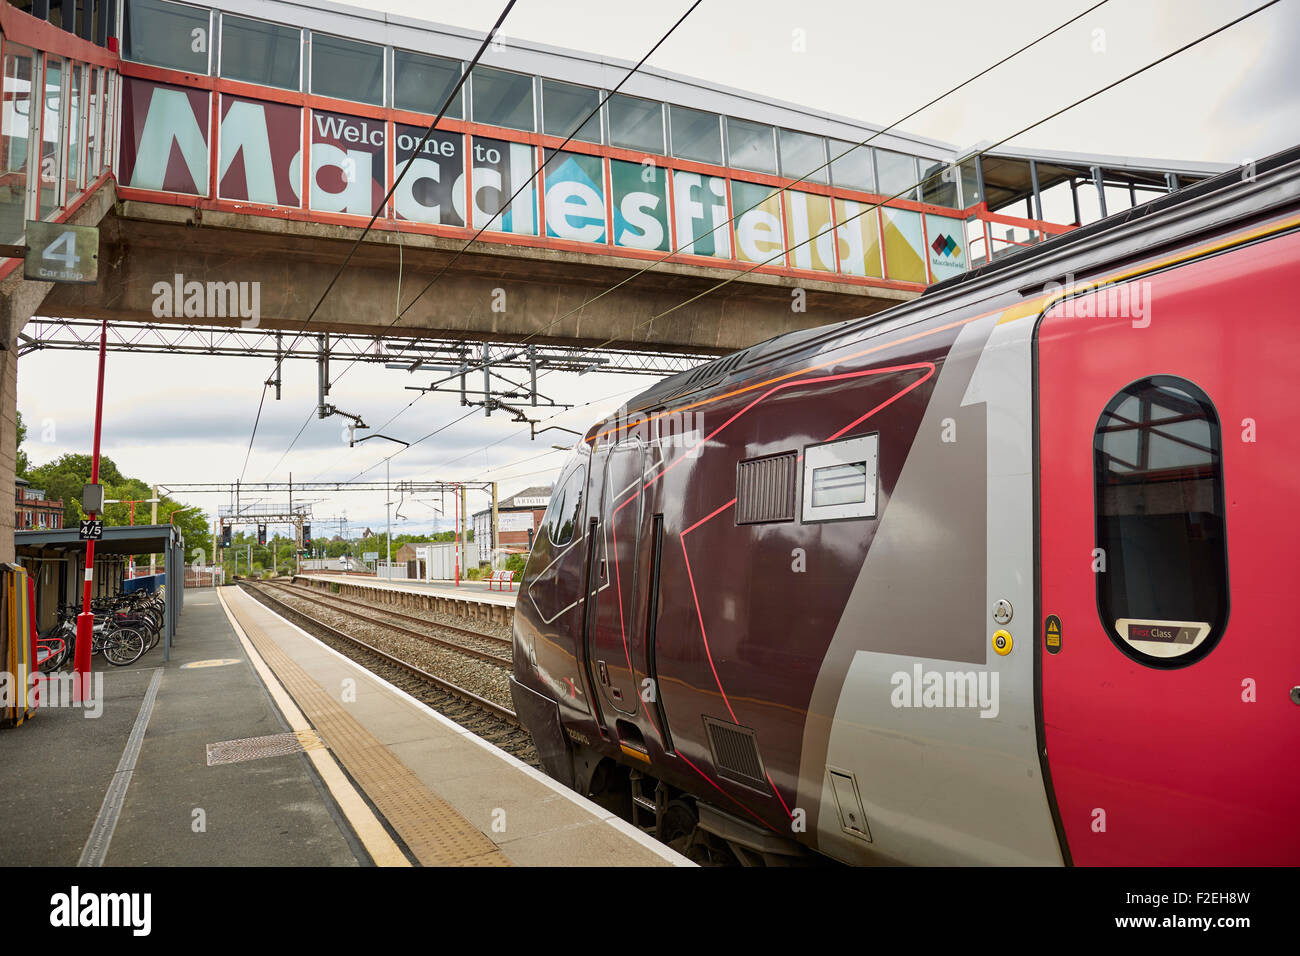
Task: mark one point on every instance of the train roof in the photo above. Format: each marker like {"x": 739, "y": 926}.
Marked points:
{"x": 1234, "y": 196}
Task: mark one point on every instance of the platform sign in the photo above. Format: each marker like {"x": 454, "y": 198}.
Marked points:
{"x": 57, "y": 252}
{"x": 91, "y": 529}
{"x": 370, "y": 556}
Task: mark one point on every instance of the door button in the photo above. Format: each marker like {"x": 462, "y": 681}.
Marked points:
{"x": 1002, "y": 612}
{"x": 1295, "y": 695}
{"x": 1002, "y": 642}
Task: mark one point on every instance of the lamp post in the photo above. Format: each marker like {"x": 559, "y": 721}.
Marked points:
{"x": 388, "y": 503}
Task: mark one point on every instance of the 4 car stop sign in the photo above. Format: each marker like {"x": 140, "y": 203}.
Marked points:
{"x": 57, "y": 252}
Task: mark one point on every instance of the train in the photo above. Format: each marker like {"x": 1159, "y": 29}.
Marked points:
{"x": 998, "y": 576}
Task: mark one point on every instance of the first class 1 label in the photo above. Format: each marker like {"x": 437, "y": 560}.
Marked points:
{"x": 1161, "y": 632}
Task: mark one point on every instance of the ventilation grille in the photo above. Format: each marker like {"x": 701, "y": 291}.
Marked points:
{"x": 765, "y": 489}
{"x": 735, "y": 752}
{"x": 710, "y": 373}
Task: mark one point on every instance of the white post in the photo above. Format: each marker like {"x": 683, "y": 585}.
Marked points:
{"x": 388, "y": 520}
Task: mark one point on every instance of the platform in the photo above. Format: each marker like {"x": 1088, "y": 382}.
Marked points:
{"x": 355, "y": 772}
{"x": 467, "y": 591}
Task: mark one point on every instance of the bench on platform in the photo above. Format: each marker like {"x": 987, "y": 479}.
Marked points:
{"x": 501, "y": 578}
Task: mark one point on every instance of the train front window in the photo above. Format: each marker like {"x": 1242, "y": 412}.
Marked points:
{"x": 1161, "y": 562}
{"x": 565, "y": 510}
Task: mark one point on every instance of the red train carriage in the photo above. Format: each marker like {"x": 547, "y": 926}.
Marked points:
{"x": 997, "y": 576}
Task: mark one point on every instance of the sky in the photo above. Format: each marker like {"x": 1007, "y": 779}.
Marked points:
{"x": 1233, "y": 98}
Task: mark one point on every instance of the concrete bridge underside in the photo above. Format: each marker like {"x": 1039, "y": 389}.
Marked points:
{"x": 142, "y": 244}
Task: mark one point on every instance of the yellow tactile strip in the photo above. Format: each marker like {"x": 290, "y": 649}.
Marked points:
{"x": 430, "y": 827}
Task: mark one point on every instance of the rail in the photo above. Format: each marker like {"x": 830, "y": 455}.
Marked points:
{"x": 483, "y": 703}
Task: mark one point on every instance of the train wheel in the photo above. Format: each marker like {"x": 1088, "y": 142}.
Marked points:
{"x": 681, "y": 831}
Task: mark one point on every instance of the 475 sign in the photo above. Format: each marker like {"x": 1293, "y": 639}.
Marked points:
{"x": 57, "y": 252}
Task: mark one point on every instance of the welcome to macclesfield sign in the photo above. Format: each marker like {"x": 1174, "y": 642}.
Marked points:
{"x": 464, "y": 180}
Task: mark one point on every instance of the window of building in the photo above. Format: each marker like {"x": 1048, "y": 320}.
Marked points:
{"x": 1158, "y": 472}
{"x": 803, "y": 156}
{"x": 636, "y": 123}
{"x": 166, "y": 34}
{"x": 254, "y": 51}
{"x": 14, "y": 139}
{"x": 697, "y": 135}
{"x": 422, "y": 83}
{"x": 74, "y": 119}
{"x": 896, "y": 173}
{"x": 502, "y": 99}
{"x": 851, "y": 166}
{"x": 94, "y": 118}
{"x": 565, "y": 509}
{"x": 51, "y": 137}
{"x": 346, "y": 69}
{"x": 564, "y": 106}
{"x": 940, "y": 184}
{"x": 751, "y": 145}
{"x": 840, "y": 479}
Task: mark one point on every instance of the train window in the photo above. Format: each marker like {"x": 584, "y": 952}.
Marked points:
{"x": 565, "y": 510}
{"x": 1161, "y": 561}
{"x": 839, "y": 479}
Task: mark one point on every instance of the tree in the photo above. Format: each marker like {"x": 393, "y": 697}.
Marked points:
{"x": 22, "y": 462}
{"x": 65, "y": 476}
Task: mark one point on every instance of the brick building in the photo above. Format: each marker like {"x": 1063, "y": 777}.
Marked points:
{"x": 32, "y": 510}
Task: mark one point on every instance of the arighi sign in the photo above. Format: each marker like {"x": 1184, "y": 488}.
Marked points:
{"x": 460, "y": 180}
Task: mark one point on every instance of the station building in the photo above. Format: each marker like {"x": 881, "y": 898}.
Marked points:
{"x": 33, "y": 510}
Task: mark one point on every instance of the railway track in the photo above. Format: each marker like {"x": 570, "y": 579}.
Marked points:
{"x": 344, "y": 606}
{"x": 486, "y": 718}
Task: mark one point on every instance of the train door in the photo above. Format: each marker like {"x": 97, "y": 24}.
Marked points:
{"x": 1166, "y": 635}
{"x": 612, "y": 626}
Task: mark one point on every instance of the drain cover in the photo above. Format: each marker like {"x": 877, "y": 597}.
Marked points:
{"x": 255, "y": 748}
